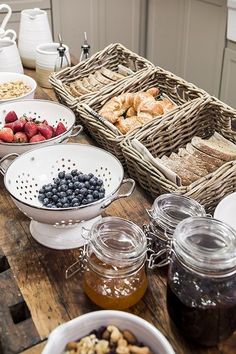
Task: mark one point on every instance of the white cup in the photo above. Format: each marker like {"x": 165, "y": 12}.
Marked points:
{"x": 46, "y": 56}
{"x": 34, "y": 30}
{"x": 9, "y": 57}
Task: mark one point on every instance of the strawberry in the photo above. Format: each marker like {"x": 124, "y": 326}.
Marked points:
{"x": 30, "y": 129}
{"x": 45, "y": 130}
{"x": 20, "y": 137}
{"x": 11, "y": 117}
{"x": 6, "y": 135}
{"x": 18, "y": 125}
{"x": 60, "y": 129}
{"x": 9, "y": 125}
{"x": 36, "y": 138}
{"x": 45, "y": 122}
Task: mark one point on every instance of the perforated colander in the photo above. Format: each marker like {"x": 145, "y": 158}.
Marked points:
{"x": 40, "y": 109}
{"x": 33, "y": 169}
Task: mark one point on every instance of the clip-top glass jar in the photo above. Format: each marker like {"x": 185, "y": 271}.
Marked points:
{"x": 166, "y": 213}
{"x": 201, "y": 290}
{"x": 115, "y": 275}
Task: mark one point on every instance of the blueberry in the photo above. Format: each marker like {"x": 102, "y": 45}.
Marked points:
{"x": 81, "y": 178}
{"x": 75, "y": 200}
{"x": 76, "y": 204}
{"x": 91, "y": 175}
{"x": 41, "y": 197}
{"x": 59, "y": 189}
{"x": 78, "y": 185}
{"x": 59, "y": 205}
{"x": 68, "y": 176}
{"x": 86, "y": 177}
{"x": 64, "y": 200}
{"x": 84, "y": 191}
{"x": 75, "y": 178}
{"x": 70, "y": 197}
{"x": 99, "y": 182}
{"x": 76, "y": 191}
{"x": 48, "y": 187}
{"x": 71, "y": 185}
{"x": 102, "y": 190}
{"x": 69, "y": 192}
{"x": 54, "y": 190}
{"x": 89, "y": 196}
{"x": 66, "y": 205}
{"x": 49, "y": 195}
{"x": 95, "y": 194}
{"x": 74, "y": 172}
{"x": 55, "y": 198}
{"x": 92, "y": 188}
{"x": 90, "y": 191}
{"x": 80, "y": 197}
{"x": 87, "y": 184}
{"x": 64, "y": 187}
{"x": 101, "y": 195}
{"x": 49, "y": 205}
{"x": 84, "y": 201}
{"x": 41, "y": 191}
{"x": 63, "y": 181}
{"x": 45, "y": 201}
{"x": 93, "y": 182}
{"x": 56, "y": 180}
{"x": 90, "y": 200}
{"x": 61, "y": 174}
{"x": 62, "y": 194}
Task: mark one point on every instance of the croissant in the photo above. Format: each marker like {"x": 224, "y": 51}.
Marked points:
{"x": 117, "y": 106}
{"x": 127, "y": 124}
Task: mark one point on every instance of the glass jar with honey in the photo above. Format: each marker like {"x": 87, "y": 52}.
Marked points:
{"x": 115, "y": 275}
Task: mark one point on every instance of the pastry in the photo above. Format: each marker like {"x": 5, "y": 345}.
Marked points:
{"x": 127, "y": 124}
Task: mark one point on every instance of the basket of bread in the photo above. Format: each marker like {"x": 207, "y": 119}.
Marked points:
{"x": 104, "y": 68}
{"x": 192, "y": 152}
{"x": 116, "y": 111}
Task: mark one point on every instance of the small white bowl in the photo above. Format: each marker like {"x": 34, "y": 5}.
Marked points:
{"x": 83, "y": 325}
{"x": 8, "y": 76}
{"x": 225, "y": 210}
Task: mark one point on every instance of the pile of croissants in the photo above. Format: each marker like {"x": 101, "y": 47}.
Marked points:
{"x": 130, "y": 110}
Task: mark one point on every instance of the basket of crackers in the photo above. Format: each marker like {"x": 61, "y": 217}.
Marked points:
{"x": 106, "y": 67}
{"x": 149, "y": 95}
{"x": 192, "y": 152}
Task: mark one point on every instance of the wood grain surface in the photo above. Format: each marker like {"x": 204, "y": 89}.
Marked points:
{"x": 36, "y": 295}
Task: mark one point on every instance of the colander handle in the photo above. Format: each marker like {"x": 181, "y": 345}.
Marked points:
{"x": 75, "y": 132}
{"x": 3, "y": 169}
{"x": 118, "y": 196}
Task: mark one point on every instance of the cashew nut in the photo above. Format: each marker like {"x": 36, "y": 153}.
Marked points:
{"x": 137, "y": 350}
{"x": 115, "y": 333}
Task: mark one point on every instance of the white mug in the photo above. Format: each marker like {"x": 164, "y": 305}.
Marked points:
{"x": 46, "y": 56}
{"x": 34, "y": 30}
{"x": 9, "y": 57}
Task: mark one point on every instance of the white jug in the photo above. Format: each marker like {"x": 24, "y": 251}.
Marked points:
{"x": 9, "y": 57}
{"x": 34, "y": 30}
{"x": 7, "y": 16}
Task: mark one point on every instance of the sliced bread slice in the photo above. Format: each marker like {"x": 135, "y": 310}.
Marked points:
{"x": 211, "y": 162}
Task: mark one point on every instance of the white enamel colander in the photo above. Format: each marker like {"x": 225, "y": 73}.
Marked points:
{"x": 40, "y": 109}
{"x": 61, "y": 228}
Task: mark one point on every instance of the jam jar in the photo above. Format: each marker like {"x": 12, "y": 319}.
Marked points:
{"x": 166, "y": 213}
{"x": 115, "y": 275}
{"x": 201, "y": 290}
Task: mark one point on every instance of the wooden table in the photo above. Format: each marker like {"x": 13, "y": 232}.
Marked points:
{"x": 36, "y": 297}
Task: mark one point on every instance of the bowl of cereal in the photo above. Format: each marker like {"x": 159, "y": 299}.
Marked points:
{"x": 107, "y": 331}
{"x": 14, "y": 86}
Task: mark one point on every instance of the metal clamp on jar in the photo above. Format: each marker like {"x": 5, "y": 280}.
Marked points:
{"x": 166, "y": 213}
{"x": 114, "y": 263}
{"x": 201, "y": 290}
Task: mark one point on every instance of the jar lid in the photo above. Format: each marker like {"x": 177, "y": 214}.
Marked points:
{"x": 206, "y": 245}
{"x": 117, "y": 239}
{"x": 169, "y": 209}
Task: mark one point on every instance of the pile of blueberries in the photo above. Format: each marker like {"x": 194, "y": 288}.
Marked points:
{"x": 71, "y": 189}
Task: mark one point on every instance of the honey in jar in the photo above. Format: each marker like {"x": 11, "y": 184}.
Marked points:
{"x": 115, "y": 276}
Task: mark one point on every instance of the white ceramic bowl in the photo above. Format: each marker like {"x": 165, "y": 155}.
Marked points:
{"x": 41, "y": 109}
{"x": 8, "y": 76}
{"x": 225, "y": 210}
{"x": 83, "y": 325}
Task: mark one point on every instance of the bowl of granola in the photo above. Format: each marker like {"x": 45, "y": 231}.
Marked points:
{"x": 107, "y": 332}
{"x": 14, "y": 87}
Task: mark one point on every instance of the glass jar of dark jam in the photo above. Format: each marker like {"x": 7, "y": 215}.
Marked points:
{"x": 166, "y": 213}
{"x": 115, "y": 274}
{"x": 201, "y": 290}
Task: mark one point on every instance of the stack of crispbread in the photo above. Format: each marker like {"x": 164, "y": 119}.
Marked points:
{"x": 200, "y": 157}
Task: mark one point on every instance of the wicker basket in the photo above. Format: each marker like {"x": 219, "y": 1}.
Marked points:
{"x": 110, "y": 57}
{"x": 174, "y": 87}
{"x": 162, "y": 138}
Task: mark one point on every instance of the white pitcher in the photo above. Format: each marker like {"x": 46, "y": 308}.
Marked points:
{"x": 7, "y": 16}
{"x": 9, "y": 57}
{"x": 34, "y": 30}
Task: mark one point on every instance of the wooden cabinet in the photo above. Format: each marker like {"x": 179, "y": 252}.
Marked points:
{"x": 228, "y": 85}
{"x": 19, "y": 5}
{"x": 105, "y": 21}
{"x": 187, "y": 37}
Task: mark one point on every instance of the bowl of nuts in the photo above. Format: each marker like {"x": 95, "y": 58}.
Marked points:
{"x": 14, "y": 87}
{"x": 107, "y": 331}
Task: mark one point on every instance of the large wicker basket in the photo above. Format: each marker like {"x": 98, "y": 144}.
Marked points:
{"x": 177, "y": 89}
{"x": 110, "y": 57}
{"x": 164, "y": 137}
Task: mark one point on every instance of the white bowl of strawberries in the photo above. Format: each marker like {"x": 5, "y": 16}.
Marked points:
{"x": 28, "y": 124}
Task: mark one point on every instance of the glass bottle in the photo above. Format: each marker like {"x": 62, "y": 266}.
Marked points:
{"x": 62, "y": 60}
{"x": 115, "y": 275}
{"x": 166, "y": 213}
{"x": 201, "y": 290}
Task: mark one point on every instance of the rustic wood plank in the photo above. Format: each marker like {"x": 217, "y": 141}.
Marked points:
{"x": 37, "y": 349}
